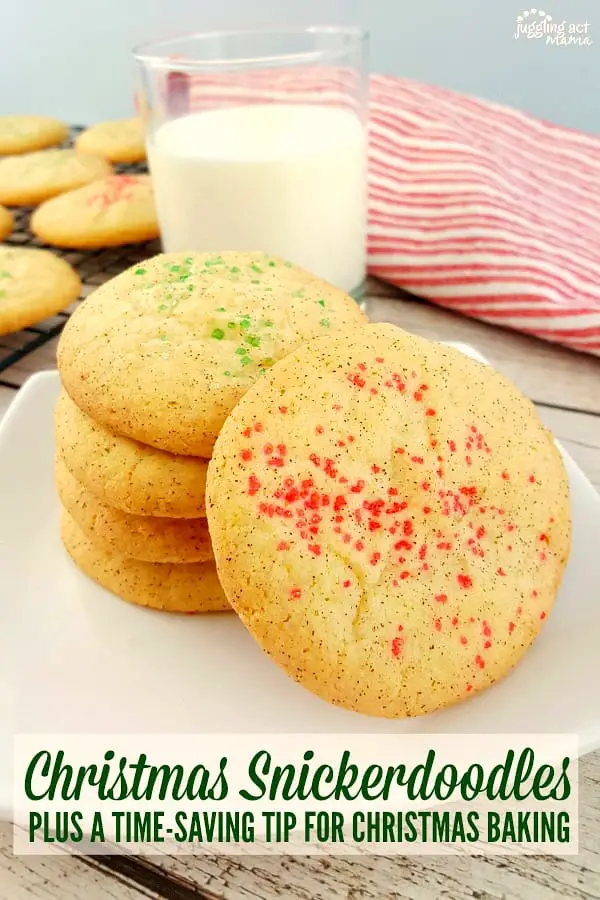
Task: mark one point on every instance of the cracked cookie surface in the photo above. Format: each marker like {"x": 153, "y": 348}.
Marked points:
{"x": 390, "y": 519}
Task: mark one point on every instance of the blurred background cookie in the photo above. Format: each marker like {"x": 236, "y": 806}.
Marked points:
{"x": 22, "y": 134}
{"x": 116, "y": 210}
{"x": 34, "y": 284}
{"x": 34, "y": 177}
{"x": 120, "y": 142}
{"x": 6, "y": 223}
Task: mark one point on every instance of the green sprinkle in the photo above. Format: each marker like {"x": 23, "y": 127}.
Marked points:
{"x": 321, "y": 302}
{"x": 228, "y": 374}
{"x": 253, "y": 340}
{"x": 217, "y": 261}
{"x": 190, "y": 287}
{"x": 267, "y": 324}
{"x": 245, "y": 324}
{"x": 256, "y": 268}
{"x": 241, "y": 351}
{"x": 163, "y": 337}
{"x": 140, "y": 272}
{"x": 221, "y": 309}
{"x": 174, "y": 268}
{"x": 245, "y": 360}
{"x": 163, "y": 307}
{"x": 287, "y": 264}
{"x": 272, "y": 262}
{"x": 324, "y": 323}
{"x": 234, "y": 269}
{"x": 298, "y": 293}
{"x": 231, "y": 324}
{"x": 185, "y": 276}
{"x": 188, "y": 260}
{"x": 5, "y": 275}
{"x": 218, "y": 334}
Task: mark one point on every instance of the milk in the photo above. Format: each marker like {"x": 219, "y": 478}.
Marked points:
{"x": 286, "y": 179}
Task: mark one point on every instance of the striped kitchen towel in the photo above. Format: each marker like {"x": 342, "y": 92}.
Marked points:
{"x": 472, "y": 205}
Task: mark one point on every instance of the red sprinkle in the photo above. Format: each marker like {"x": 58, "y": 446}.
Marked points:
{"x": 253, "y": 485}
{"x": 465, "y": 581}
{"x": 397, "y": 646}
{"x": 347, "y": 583}
{"x": 441, "y": 598}
{"x": 246, "y": 455}
{"x": 283, "y": 545}
{"x": 511, "y": 627}
{"x": 283, "y": 410}
{"x": 430, "y": 412}
{"x": 295, "y": 593}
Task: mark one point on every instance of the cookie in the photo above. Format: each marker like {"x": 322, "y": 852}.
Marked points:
{"x": 22, "y": 134}
{"x": 34, "y": 285}
{"x": 188, "y": 588}
{"x": 6, "y": 223}
{"x": 136, "y": 537}
{"x": 127, "y": 475}
{"x": 120, "y": 142}
{"x": 390, "y": 519}
{"x": 163, "y": 352}
{"x": 116, "y": 210}
{"x": 34, "y": 177}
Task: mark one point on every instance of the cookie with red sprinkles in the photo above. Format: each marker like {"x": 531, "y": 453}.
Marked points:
{"x": 164, "y": 351}
{"x": 390, "y": 519}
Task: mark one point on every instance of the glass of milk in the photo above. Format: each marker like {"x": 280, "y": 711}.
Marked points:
{"x": 257, "y": 140}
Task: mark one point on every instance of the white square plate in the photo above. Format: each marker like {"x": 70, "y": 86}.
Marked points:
{"x": 73, "y": 658}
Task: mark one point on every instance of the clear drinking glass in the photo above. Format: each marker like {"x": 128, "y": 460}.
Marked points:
{"x": 257, "y": 140}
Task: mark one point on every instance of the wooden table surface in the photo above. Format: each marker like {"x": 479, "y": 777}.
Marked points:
{"x": 566, "y": 389}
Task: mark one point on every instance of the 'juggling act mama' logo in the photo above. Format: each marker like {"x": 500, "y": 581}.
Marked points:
{"x": 536, "y": 24}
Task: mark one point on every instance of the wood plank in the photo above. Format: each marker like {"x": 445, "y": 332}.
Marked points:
{"x": 579, "y": 434}
{"x": 6, "y": 397}
{"x": 417, "y": 878}
{"x": 59, "y": 876}
{"x": 544, "y": 372}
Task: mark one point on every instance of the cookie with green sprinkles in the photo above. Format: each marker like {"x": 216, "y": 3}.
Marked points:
{"x": 390, "y": 519}
{"x": 164, "y": 351}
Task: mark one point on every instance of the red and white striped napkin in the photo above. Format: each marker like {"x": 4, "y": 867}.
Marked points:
{"x": 486, "y": 210}
{"x": 474, "y": 206}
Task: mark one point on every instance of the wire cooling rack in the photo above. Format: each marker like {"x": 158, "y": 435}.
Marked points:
{"x": 94, "y": 267}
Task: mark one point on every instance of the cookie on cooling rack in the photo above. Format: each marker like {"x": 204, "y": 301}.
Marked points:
{"x": 107, "y": 213}
{"x": 34, "y": 285}
{"x": 390, "y": 519}
{"x": 31, "y": 178}
{"x": 121, "y": 141}
{"x": 6, "y": 223}
{"x": 23, "y": 134}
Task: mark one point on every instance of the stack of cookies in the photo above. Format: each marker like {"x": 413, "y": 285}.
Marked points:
{"x": 151, "y": 365}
